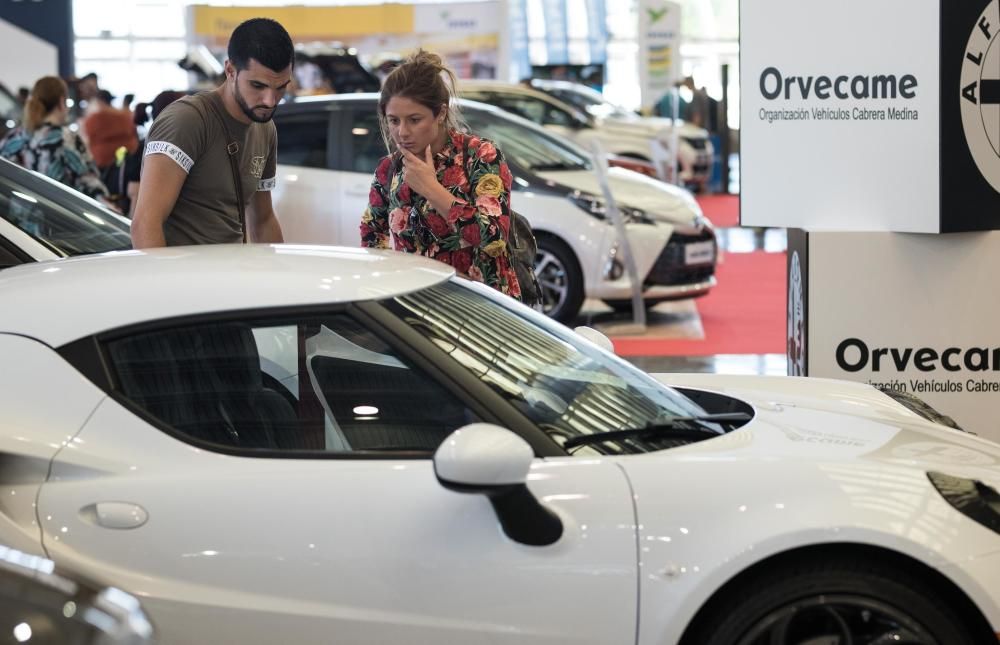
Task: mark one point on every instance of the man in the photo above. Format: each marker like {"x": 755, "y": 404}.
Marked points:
{"x": 187, "y": 194}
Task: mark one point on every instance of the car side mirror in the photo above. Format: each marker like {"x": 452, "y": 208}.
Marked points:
{"x": 485, "y": 459}
{"x": 596, "y": 337}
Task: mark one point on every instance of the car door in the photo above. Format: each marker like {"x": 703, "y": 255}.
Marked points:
{"x": 305, "y": 194}
{"x": 361, "y": 150}
{"x": 316, "y": 516}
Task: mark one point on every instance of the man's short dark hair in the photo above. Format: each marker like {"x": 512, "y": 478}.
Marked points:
{"x": 263, "y": 40}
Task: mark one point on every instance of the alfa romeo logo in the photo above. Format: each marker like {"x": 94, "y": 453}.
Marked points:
{"x": 980, "y": 81}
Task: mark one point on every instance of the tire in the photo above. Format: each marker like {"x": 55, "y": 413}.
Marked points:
{"x": 560, "y": 277}
{"x": 834, "y": 601}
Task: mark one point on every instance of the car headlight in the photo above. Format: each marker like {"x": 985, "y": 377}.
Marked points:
{"x": 595, "y": 206}
{"x": 970, "y": 497}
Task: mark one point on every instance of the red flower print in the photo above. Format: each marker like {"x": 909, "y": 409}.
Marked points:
{"x": 437, "y": 224}
{"x": 443, "y": 256}
{"x": 455, "y": 176}
{"x": 489, "y": 205}
{"x": 375, "y": 199}
{"x": 505, "y": 176}
{"x": 504, "y": 224}
{"x": 397, "y": 220}
{"x": 382, "y": 171}
{"x": 404, "y": 193}
{"x": 474, "y": 143}
{"x": 487, "y": 152}
{"x": 462, "y": 260}
{"x": 471, "y": 234}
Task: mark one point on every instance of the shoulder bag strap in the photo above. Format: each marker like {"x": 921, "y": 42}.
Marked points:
{"x": 233, "y": 149}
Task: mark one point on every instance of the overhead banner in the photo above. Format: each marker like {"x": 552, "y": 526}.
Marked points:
{"x": 914, "y": 313}
{"x": 850, "y": 123}
{"x": 597, "y": 30}
{"x": 659, "y": 49}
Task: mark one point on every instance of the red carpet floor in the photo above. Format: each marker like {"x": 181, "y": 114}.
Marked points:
{"x": 744, "y": 314}
{"x": 723, "y": 210}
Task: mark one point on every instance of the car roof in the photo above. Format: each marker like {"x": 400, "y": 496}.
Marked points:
{"x": 511, "y": 88}
{"x": 310, "y": 103}
{"x": 60, "y": 301}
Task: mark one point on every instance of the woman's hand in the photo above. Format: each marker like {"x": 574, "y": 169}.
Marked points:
{"x": 420, "y": 173}
{"x": 421, "y": 176}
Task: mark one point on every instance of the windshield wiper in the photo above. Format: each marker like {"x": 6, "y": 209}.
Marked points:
{"x": 672, "y": 424}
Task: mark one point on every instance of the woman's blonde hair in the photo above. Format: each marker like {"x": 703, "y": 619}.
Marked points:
{"x": 421, "y": 78}
{"x": 48, "y": 93}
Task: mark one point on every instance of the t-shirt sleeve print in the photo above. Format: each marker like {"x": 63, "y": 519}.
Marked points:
{"x": 177, "y": 133}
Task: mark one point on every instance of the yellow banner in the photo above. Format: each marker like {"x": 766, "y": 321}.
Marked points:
{"x": 306, "y": 23}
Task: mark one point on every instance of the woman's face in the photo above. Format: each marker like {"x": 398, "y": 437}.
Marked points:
{"x": 413, "y": 126}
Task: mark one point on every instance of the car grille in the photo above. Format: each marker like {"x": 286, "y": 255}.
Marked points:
{"x": 669, "y": 269}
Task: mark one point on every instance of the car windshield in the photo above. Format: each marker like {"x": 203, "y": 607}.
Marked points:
{"x": 564, "y": 384}
{"x": 526, "y": 145}
{"x": 61, "y": 219}
{"x": 590, "y": 100}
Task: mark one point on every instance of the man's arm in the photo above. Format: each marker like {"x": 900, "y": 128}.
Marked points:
{"x": 161, "y": 183}
{"x": 262, "y": 223}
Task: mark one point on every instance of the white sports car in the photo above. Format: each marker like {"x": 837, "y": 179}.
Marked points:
{"x": 315, "y": 444}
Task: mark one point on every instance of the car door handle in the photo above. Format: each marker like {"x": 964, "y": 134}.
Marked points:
{"x": 115, "y": 515}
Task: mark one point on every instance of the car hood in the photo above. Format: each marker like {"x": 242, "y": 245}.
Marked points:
{"x": 827, "y": 420}
{"x": 662, "y": 201}
{"x": 653, "y": 126}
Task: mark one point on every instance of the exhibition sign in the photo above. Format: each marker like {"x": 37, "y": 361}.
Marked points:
{"x": 915, "y": 313}
{"x": 659, "y": 49}
{"x": 852, "y": 121}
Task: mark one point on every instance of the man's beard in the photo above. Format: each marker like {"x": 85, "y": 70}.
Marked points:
{"x": 247, "y": 110}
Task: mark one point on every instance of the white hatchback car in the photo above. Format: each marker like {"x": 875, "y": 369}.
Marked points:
{"x": 306, "y": 444}
{"x": 328, "y": 149}
{"x": 618, "y": 133}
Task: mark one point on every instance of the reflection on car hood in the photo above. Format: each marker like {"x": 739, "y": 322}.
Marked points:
{"x": 829, "y": 420}
{"x": 661, "y": 201}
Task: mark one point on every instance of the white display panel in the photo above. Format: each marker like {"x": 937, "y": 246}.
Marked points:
{"x": 850, "y": 139}
{"x": 914, "y": 312}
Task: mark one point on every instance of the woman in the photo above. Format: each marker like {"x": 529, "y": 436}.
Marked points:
{"x": 43, "y": 144}
{"x": 440, "y": 192}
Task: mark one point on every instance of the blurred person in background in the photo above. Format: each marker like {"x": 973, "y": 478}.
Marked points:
{"x": 188, "y": 191}
{"x": 439, "y": 192}
{"x": 105, "y": 129}
{"x": 44, "y": 144}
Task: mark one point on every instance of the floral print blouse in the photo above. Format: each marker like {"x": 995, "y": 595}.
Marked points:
{"x": 56, "y": 152}
{"x": 472, "y": 235}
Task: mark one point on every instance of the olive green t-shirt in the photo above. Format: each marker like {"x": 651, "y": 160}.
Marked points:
{"x": 189, "y": 132}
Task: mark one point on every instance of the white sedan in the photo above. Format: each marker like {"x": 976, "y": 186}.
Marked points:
{"x": 330, "y": 145}
{"x": 311, "y": 445}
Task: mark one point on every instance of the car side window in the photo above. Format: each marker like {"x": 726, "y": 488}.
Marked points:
{"x": 326, "y": 384}
{"x": 302, "y": 140}
{"x": 366, "y": 144}
{"x": 525, "y": 107}
{"x": 555, "y": 116}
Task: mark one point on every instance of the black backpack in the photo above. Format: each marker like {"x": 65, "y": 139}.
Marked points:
{"x": 523, "y": 249}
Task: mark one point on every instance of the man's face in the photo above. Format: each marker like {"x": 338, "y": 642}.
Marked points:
{"x": 258, "y": 89}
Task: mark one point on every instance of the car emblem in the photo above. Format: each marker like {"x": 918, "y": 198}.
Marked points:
{"x": 980, "y": 93}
